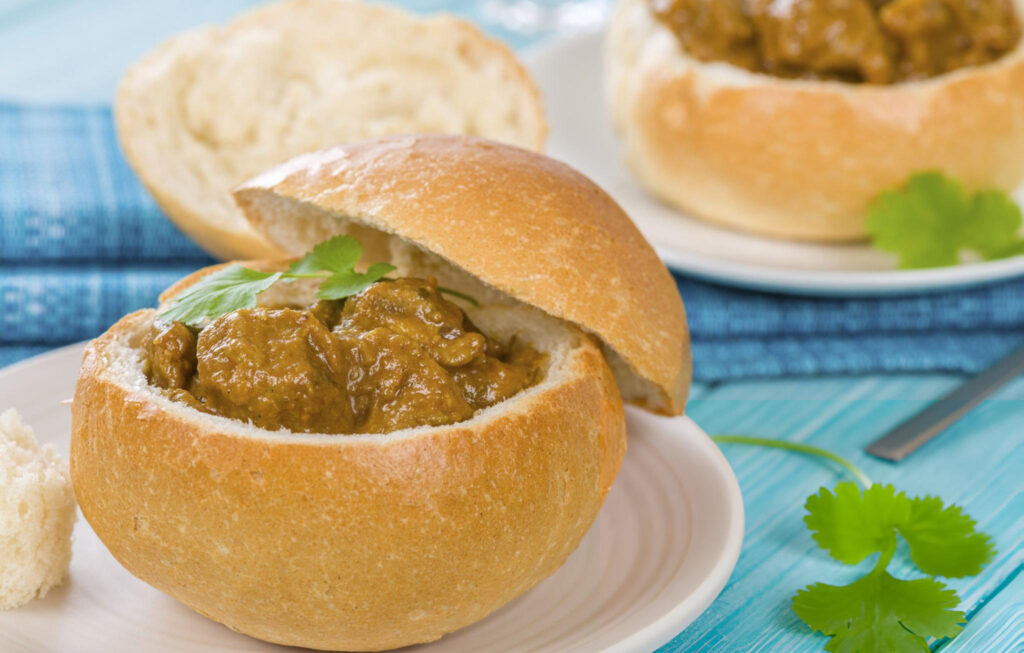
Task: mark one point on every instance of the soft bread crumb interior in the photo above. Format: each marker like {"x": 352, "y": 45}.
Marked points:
{"x": 126, "y": 356}
{"x": 37, "y": 514}
{"x": 219, "y": 104}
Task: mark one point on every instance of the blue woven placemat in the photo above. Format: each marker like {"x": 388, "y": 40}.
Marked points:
{"x": 82, "y": 243}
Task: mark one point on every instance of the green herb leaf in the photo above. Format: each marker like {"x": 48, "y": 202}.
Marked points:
{"x": 851, "y": 525}
{"x": 338, "y": 254}
{"x": 349, "y": 282}
{"x": 223, "y": 291}
{"x": 930, "y": 221}
{"x": 880, "y": 613}
{"x": 236, "y": 287}
{"x": 943, "y": 541}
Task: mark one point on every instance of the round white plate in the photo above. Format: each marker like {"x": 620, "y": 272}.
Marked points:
{"x": 662, "y": 549}
{"x": 570, "y": 75}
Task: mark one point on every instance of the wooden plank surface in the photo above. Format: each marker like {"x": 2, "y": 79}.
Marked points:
{"x": 978, "y": 463}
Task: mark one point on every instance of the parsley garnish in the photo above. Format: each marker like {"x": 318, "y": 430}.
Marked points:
{"x": 879, "y": 612}
{"x": 236, "y": 287}
{"x": 931, "y": 221}
{"x": 228, "y": 290}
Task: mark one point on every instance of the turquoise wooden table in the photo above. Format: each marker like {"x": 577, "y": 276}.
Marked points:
{"x": 47, "y": 56}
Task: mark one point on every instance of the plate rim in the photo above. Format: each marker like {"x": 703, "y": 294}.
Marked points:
{"x": 680, "y": 616}
{"x": 676, "y": 620}
{"x": 794, "y": 281}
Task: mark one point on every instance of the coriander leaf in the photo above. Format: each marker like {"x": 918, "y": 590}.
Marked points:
{"x": 348, "y": 282}
{"x": 852, "y": 525}
{"x": 920, "y": 221}
{"x": 943, "y": 541}
{"x": 880, "y": 613}
{"x": 338, "y": 254}
{"x": 224, "y": 291}
{"x": 994, "y": 222}
{"x": 932, "y": 219}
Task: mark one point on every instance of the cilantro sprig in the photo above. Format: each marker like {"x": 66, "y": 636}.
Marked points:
{"x": 879, "y": 612}
{"x": 932, "y": 221}
{"x": 236, "y": 287}
{"x": 334, "y": 261}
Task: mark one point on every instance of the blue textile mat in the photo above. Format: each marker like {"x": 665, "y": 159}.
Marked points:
{"x": 82, "y": 243}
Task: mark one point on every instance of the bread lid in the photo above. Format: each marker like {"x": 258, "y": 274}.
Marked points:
{"x": 504, "y": 219}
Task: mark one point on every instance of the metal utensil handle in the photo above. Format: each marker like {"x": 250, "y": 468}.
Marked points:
{"x": 906, "y": 438}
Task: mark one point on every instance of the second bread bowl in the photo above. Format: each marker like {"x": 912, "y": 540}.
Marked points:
{"x": 801, "y": 158}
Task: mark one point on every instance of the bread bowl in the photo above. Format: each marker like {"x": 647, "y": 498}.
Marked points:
{"x": 213, "y": 106}
{"x": 801, "y": 158}
{"x": 375, "y": 541}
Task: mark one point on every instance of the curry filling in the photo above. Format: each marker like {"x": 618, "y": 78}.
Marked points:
{"x": 874, "y": 41}
{"x": 397, "y": 355}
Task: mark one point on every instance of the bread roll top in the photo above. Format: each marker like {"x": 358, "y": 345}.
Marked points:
{"x": 501, "y": 223}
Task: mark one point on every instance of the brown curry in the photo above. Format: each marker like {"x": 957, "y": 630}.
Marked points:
{"x": 396, "y": 355}
{"x": 874, "y": 41}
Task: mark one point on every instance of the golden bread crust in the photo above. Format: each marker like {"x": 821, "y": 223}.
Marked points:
{"x": 343, "y": 542}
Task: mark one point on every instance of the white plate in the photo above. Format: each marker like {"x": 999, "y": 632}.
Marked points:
{"x": 662, "y": 549}
{"x": 570, "y": 75}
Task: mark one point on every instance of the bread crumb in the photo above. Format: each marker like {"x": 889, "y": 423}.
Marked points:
{"x": 37, "y": 514}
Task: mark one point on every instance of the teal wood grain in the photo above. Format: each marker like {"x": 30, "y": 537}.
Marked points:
{"x": 996, "y": 627}
{"x": 978, "y": 463}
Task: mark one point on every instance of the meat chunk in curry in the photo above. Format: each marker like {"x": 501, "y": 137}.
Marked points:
{"x": 874, "y": 41}
{"x": 395, "y": 356}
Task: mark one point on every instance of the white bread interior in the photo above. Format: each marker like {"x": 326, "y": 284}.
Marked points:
{"x": 37, "y": 514}
{"x": 800, "y": 159}
{"x": 213, "y": 106}
{"x": 347, "y": 542}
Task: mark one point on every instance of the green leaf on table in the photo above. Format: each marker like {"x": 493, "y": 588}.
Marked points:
{"x": 852, "y": 525}
{"x": 932, "y": 220}
{"x": 943, "y": 541}
{"x": 880, "y": 613}
{"x": 226, "y": 290}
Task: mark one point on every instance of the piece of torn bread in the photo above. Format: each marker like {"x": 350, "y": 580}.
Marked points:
{"x": 37, "y": 514}
{"x": 214, "y": 106}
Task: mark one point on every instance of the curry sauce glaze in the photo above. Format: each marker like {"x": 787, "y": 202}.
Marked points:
{"x": 873, "y": 41}
{"x": 397, "y": 355}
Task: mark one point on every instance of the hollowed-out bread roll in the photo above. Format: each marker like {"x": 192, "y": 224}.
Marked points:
{"x": 368, "y": 542}
{"x": 348, "y": 542}
{"x": 801, "y": 159}
{"x": 213, "y": 106}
